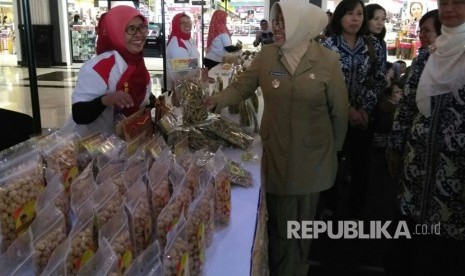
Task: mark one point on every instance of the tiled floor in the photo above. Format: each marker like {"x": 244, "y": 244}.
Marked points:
{"x": 55, "y": 86}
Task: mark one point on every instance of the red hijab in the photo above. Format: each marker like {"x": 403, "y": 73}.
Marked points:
{"x": 217, "y": 26}
{"x": 177, "y": 32}
{"x": 111, "y": 36}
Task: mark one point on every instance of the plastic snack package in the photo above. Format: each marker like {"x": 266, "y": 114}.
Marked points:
{"x": 219, "y": 169}
{"x": 199, "y": 222}
{"x": 55, "y": 193}
{"x": 229, "y": 131}
{"x": 117, "y": 233}
{"x": 148, "y": 263}
{"x": 140, "y": 217}
{"x": 57, "y": 262}
{"x": 176, "y": 256}
{"x": 81, "y": 245}
{"x": 132, "y": 173}
{"x": 207, "y": 186}
{"x": 112, "y": 168}
{"x": 238, "y": 175}
{"x": 106, "y": 201}
{"x": 160, "y": 190}
{"x": 48, "y": 231}
{"x": 82, "y": 188}
{"x": 103, "y": 263}
{"x": 179, "y": 203}
{"x": 60, "y": 152}
{"x": 109, "y": 150}
{"x": 88, "y": 148}
{"x": 21, "y": 183}
{"x": 18, "y": 260}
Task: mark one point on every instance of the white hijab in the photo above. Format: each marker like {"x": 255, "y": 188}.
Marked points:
{"x": 445, "y": 70}
{"x": 303, "y": 21}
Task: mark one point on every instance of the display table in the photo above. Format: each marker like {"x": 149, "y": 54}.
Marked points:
{"x": 232, "y": 248}
{"x": 241, "y": 247}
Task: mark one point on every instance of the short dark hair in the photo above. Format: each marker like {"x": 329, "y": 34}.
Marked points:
{"x": 341, "y": 10}
{"x": 435, "y": 15}
{"x": 263, "y": 21}
{"x": 370, "y": 9}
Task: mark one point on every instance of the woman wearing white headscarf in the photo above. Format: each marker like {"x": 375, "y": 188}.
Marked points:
{"x": 303, "y": 126}
{"x": 433, "y": 178}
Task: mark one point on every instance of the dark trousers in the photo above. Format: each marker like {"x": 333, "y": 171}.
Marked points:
{"x": 348, "y": 195}
{"x": 210, "y": 63}
{"x": 358, "y": 142}
{"x": 424, "y": 255}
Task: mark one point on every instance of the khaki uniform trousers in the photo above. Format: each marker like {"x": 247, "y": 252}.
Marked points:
{"x": 289, "y": 257}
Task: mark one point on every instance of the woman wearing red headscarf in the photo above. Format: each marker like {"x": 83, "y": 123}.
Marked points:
{"x": 180, "y": 45}
{"x": 116, "y": 81}
{"x": 219, "y": 40}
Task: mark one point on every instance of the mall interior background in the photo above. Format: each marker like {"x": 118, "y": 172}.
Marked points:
{"x": 59, "y": 41}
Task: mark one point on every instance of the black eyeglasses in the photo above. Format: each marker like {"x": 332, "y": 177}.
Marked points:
{"x": 132, "y": 30}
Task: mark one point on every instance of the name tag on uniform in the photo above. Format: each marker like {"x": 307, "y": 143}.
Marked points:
{"x": 277, "y": 74}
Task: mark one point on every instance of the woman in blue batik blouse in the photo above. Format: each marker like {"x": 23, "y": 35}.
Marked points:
{"x": 362, "y": 62}
{"x": 430, "y": 28}
{"x": 432, "y": 181}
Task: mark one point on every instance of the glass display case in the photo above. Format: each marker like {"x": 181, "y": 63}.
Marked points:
{"x": 83, "y": 42}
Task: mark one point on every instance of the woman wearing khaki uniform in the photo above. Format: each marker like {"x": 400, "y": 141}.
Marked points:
{"x": 303, "y": 126}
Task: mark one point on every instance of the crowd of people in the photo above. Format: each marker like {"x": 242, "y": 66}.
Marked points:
{"x": 329, "y": 95}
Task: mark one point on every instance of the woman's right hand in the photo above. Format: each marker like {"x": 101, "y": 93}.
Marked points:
{"x": 120, "y": 99}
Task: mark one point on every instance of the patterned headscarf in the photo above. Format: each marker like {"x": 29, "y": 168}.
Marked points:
{"x": 177, "y": 32}
{"x": 217, "y": 26}
{"x": 111, "y": 36}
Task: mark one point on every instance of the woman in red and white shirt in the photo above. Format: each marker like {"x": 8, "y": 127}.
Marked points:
{"x": 116, "y": 81}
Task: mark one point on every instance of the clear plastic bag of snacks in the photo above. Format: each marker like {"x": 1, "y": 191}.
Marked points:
{"x": 140, "y": 217}
{"x": 103, "y": 263}
{"x": 82, "y": 188}
{"x": 18, "y": 260}
{"x": 199, "y": 224}
{"x": 160, "y": 190}
{"x": 218, "y": 167}
{"x": 148, "y": 263}
{"x": 55, "y": 193}
{"x": 21, "y": 183}
{"x": 176, "y": 255}
{"x": 179, "y": 203}
{"x": 48, "y": 232}
{"x": 117, "y": 233}
{"x": 106, "y": 201}
{"x": 109, "y": 150}
{"x": 81, "y": 245}
{"x": 60, "y": 152}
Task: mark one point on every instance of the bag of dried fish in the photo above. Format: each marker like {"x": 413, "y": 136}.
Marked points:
{"x": 238, "y": 175}
{"x": 192, "y": 101}
{"x": 198, "y": 140}
{"x": 229, "y": 131}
